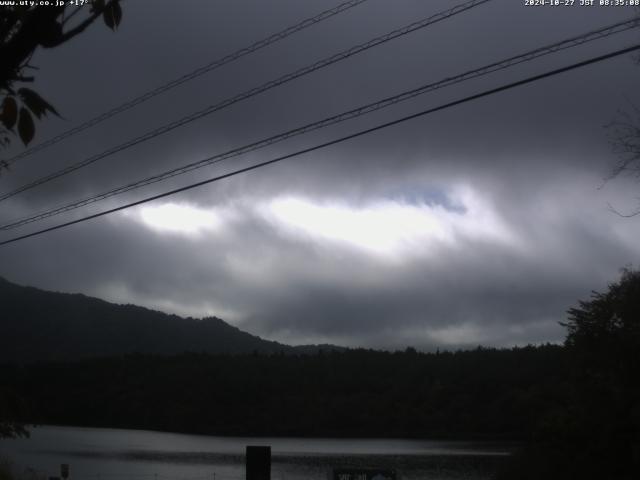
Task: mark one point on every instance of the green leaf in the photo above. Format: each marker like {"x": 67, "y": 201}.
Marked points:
{"x": 26, "y": 128}
{"x": 38, "y": 105}
{"x": 9, "y": 112}
{"x": 112, "y": 14}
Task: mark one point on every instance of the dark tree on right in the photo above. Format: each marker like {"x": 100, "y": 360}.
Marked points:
{"x": 596, "y": 432}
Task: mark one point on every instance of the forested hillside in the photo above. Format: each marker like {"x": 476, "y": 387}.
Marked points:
{"x": 41, "y": 325}
{"x": 480, "y": 393}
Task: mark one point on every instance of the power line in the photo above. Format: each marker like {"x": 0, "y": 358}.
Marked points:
{"x": 276, "y": 37}
{"x": 348, "y": 115}
{"x": 333, "y": 142}
{"x": 252, "y": 92}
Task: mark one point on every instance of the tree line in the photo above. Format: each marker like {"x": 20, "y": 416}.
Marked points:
{"x": 487, "y": 393}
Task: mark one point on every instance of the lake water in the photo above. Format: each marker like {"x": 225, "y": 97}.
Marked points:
{"x": 112, "y": 454}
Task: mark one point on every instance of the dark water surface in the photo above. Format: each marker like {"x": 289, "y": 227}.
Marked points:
{"x": 113, "y": 454}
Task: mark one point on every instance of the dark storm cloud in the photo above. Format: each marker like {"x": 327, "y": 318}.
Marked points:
{"x": 532, "y": 158}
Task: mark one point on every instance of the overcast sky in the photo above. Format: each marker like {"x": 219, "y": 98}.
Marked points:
{"x": 481, "y": 224}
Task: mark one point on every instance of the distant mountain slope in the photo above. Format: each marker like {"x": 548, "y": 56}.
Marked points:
{"x": 41, "y": 325}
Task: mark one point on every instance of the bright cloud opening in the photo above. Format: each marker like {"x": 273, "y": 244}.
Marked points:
{"x": 390, "y": 227}
{"x": 179, "y": 218}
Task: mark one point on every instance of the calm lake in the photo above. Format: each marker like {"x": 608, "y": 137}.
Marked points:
{"x": 112, "y": 454}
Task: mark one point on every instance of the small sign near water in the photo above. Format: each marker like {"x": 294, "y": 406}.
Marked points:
{"x": 363, "y": 474}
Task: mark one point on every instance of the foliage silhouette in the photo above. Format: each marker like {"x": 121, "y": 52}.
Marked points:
{"x": 24, "y": 29}
{"x": 597, "y": 433}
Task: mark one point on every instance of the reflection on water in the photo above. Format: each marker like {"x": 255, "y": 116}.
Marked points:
{"x": 110, "y": 454}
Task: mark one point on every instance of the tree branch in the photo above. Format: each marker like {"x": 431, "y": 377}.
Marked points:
{"x": 71, "y": 15}
{"x": 81, "y": 27}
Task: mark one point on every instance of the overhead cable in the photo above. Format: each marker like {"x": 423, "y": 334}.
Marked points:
{"x": 250, "y": 93}
{"x": 276, "y": 37}
{"x": 347, "y": 115}
{"x": 445, "y": 106}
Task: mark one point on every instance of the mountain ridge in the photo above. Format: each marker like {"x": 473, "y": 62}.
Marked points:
{"x": 41, "y": 325}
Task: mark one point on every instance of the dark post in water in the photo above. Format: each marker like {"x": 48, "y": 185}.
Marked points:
{"x": 258, "y": 463}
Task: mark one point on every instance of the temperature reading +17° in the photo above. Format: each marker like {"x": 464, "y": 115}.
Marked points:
{"x": 77, "y": 3}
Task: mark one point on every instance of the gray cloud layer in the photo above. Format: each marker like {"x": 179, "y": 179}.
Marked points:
{"x": 511, "y": 180}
